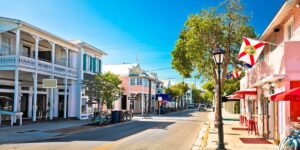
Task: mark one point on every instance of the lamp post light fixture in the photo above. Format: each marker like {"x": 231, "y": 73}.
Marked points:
{"x": 218, "y": 55}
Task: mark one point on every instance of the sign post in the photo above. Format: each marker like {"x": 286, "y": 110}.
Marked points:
{"x": 50, "y": 84}
{"x": 159, "y": 101}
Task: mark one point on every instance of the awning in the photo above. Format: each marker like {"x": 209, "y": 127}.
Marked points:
{"x": 271, "y": 78}
{"x": 291, "y": 95}
{"x": 235, "y": 97}
{"x": 7, "y": 27}
{"x": 246, "y": 92}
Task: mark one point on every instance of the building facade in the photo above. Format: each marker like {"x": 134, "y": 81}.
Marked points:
{"x": 276, "y": 71}
{"x": 135, "y": 83}
{"x": 27, "y": 56}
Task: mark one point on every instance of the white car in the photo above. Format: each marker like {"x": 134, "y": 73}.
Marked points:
{"x": 201, "y": 107}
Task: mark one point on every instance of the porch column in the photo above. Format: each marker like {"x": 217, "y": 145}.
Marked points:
{"x": 143, "y": 103}
{"x": 29, "y": 112}
{"x": 16, "y": 90}
{"x": 35, "y": 76}
{"x": 34, "y": 107}
{"x": 65, "y": 98}
{"x": 52, "y": 77}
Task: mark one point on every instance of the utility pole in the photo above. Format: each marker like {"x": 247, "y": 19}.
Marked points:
{"x": 149, "y": 98}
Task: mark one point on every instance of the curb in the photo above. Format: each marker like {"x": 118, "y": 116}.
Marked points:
{"x": 205, "y": 138}
{"x": 202, "y": 137}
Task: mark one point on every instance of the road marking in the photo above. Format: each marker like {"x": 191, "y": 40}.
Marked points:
{"x": 105, "y": 146}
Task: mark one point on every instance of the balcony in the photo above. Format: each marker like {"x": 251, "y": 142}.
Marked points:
{"x": 43, "y": 67}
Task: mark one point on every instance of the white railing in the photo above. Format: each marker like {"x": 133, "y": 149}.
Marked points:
{"x": 7, "y": 60}
{"x": 72, "y": 72}
{"x": 26, "y": 62}
{"x": 43, "y": 66}
{"x": 61, "y": 70}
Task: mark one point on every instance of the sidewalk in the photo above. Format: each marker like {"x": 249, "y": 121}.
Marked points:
{"x": 39, "y": 131}
{"x": 233, "y": 131}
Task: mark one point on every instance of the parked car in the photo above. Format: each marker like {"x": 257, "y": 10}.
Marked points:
{"x": 201, "y": 107}
{"x": 191, "y": 106}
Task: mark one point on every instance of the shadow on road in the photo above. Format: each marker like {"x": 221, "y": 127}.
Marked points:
{"x": 113, "y": 133}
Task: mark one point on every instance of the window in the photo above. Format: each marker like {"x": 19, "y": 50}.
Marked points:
{"x": 262, "y": 56}
{"x": 139, "y": 81}
{"x": 145, "y": 82}
{"x": 289, "y": 29}
{"x": 5, "y": 46}
{"x": 132, "y": 81}
{"x": 273, "y": 46}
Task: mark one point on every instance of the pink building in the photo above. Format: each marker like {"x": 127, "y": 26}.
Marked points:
{"x": 136, "y": 83}
{"x": 277, "y": 70}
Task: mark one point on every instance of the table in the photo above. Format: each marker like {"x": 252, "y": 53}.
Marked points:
{"x": 12, "y": 116}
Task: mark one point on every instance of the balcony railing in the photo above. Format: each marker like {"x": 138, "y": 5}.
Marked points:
{"x": 43, "y": 66}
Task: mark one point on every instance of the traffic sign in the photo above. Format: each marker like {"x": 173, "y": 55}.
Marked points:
{"x": 132, "y": 98}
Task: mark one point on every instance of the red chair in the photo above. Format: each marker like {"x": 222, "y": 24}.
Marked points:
{"x": 252, "y": 126}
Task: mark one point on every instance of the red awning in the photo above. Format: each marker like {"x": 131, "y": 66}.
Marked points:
{"x": 235, "y": 97}
{"x": 291, "y": 95}
{"x": 246, "y": 92}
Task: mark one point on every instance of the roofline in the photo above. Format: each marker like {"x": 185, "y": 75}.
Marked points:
{"x": 20, "y": 22}
{"x": 92, "y": 47}
{"x": 273, "y": 20}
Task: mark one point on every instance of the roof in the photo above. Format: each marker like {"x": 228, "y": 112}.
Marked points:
{"x": 82, "y": 43}
{"x": 120, "y": 69}
{"x": 74, "y": 42}
{"x": 278, "y": 18}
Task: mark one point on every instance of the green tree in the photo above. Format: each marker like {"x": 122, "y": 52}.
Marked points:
{"x": 103, "y": 88}
{"x": 177, "y": 91}
{"x": 196, "y": 94}
{"x": 224, "y": 25}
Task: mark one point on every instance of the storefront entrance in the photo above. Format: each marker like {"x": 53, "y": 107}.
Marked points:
{"x": 265, "y": 117}
{"x": 61, "y": 100}
{"x": 24, "y": 105}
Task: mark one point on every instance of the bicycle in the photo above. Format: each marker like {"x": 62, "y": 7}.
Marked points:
{"x": 291, "y": 142}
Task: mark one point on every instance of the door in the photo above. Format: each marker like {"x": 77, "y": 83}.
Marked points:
{"x": 124, "y": 102}
{"x": 24, "y": 105}
{"x": 61, "y": 100}
{"x": 265, "y": 118}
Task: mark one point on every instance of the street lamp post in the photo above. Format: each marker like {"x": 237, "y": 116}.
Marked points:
{"x": 218, "y": 55}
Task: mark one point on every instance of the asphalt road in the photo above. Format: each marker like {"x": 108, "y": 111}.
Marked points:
{"x": 173, "y": 131}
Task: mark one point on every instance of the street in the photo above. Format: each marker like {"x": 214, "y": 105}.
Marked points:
{"x": 177, "y": 130}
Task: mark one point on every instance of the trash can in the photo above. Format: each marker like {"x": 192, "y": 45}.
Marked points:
{"x": 115, "y": 116}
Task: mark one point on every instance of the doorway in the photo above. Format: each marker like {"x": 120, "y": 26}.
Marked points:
{"x": 24, "y": 105}
{"x": 124, "y": 102}
{"x": 61, "y": 102}
{"x": 265, "y": 117}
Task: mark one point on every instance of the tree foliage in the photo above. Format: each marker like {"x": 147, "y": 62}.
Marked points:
{"x": 177, "y": 90}
{"x": 103, "y": 88}
{"x": 224, "y": 26}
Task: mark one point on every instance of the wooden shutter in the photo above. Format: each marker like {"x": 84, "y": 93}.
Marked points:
{"x": 91, "y": 64}
{"x": 84, "y": 62}
{"x": 94, "y": 64}
{"x": 99, "y": 66}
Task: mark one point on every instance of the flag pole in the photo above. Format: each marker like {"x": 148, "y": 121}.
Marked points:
{"x": 262, "y": 41}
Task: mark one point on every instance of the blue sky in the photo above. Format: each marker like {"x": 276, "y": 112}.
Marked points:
{"x": 127, "y": 29}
